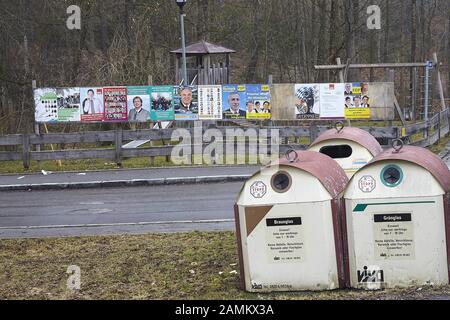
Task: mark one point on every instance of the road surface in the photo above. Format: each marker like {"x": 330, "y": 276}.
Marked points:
{"x": 124, "y": 175}
{"x": 132, "y": 210}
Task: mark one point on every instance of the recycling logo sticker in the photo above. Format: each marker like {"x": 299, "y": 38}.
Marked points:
{"x": 258, "y": 189}
{"x": 367, "y": 184}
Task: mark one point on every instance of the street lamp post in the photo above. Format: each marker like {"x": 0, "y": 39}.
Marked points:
{"x": 181, "y": 4}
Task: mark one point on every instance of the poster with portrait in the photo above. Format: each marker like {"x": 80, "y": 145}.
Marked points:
{"x": 115, "y": 100}
{"x": 185, "y": 102}
{"x": 331, "y": 95}
{"x": 233, "y": 101}
{"x": 357, "y": 101}
{"x": 138, "y": 104}
{"x": 210, "y": 102}
{"x": 91, "y": 108}
{"x": 46, "y": 105}
{"x": 307, "y": 104}
{"x": 162, "y": 108}
{"x": 257, "y": 103}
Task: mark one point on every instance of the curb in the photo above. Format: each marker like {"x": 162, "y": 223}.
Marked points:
{"x": 124, "y": 183}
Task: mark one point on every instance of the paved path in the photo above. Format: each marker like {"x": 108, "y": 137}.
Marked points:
{"x": 121, "y": 178}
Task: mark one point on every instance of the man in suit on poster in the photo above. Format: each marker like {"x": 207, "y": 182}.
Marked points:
{"x": 186, "y": 105}
{"x": 138, "y": 114}
{"x": 234, "y": 111}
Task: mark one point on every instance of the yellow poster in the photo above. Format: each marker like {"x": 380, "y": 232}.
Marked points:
{"x": 357, "y": 101}
{"x": 357, "y": 113}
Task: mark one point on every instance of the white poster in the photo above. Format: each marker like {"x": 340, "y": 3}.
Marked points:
{"x": 57, "y": 105}
{"x": 210, "y": 102}
{"x": 92, "y": 109}
{"x": 307, "y": 105}
{"x": 331, "y": 97}
{"x": 46, "y": 105}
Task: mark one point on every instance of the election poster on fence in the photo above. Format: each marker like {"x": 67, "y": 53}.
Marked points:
{"x": 92, "y": 107}
{"x": 68, "y": 104}
{"x": 138, "y": 104}
{"x": 258, "y": 102}
{"x": 57, "y": 104}
{"x": 46, "y": 105}
{"x": 162, "y": 103}
{"x": 186, "y": 102}
{"x": 233, "y": 101}
{"x": 357, "y": 101}
{"x": 210, "y": 102}
{"x": 307, "y": 105}
{"x": 331, "y": 95}
{"x": 116, "y": 108}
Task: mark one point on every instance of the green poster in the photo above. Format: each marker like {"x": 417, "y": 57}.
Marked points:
{"x": 162, "y": 108}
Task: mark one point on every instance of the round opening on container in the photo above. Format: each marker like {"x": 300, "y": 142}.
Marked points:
{"x": 337, "y": 152}
{"x": 391, "y": 175}
{"x": 281, "y": 182}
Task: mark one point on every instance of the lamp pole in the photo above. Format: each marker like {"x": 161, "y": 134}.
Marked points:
{"x": 181, "y": 4}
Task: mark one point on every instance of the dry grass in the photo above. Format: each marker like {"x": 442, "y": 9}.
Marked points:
{"x": 156, "y": 266}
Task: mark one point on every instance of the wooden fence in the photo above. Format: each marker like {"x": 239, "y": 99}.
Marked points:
{"x": 25, "y": 146}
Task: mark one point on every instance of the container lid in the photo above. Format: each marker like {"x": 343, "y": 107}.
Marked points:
{"x": 325, "y": 169}
{"x": 357, "y": 135}
{"x": 421, "y": 157}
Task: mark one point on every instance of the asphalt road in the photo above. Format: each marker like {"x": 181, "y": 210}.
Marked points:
{"x": 132, "y": 210}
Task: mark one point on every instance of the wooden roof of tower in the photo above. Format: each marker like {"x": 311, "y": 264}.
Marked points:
{"x": 203, "y": 48}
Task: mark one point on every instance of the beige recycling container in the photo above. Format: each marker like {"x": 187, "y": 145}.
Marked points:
{"x": 397, "y": 219}
{"x": 288, "y": 225}
{"x": 352, "y": 148}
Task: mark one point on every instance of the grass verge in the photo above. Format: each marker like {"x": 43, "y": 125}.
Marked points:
{"x": 198, "y": 265}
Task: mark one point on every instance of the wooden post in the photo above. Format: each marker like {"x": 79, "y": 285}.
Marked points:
{"x": 37, "y": 127}
{"x": 228, "y": 63}
{"x": 118, "y": 145}
{"x": 341, "y": 80}
{"x": 441, "y": 89}
{"x": 341, "y": 71}
{"x": 26, "y": 157}
{"x": 150, "y": 82}
{"x": 439, "y": 126}
{"x": 177, "y": 71}
{"x": 414, "y": 94}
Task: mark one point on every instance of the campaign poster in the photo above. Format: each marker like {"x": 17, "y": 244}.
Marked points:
{"x": 357, "y": 101}
{"x": 258, "y": 105}
{"x": 116, "y": 108}
{"x": 46, "y": 105}
{"x": 233, "y": 100}
{"x": 331, "y": 95}
{"x": 307, "y": 105}
{"x": 138, "y": 104}
{"x": 210, "y": 102}
{"x": 162, "y": 103}
{"x": 92, "y": 107}
{"x": 185, "y": 102}
{"x": 68, "y": 104}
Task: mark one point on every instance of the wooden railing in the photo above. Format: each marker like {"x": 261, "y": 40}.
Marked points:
{"x": 24, "y": 146}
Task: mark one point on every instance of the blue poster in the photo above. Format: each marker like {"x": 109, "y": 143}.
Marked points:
{"x": 233, "y": 99}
